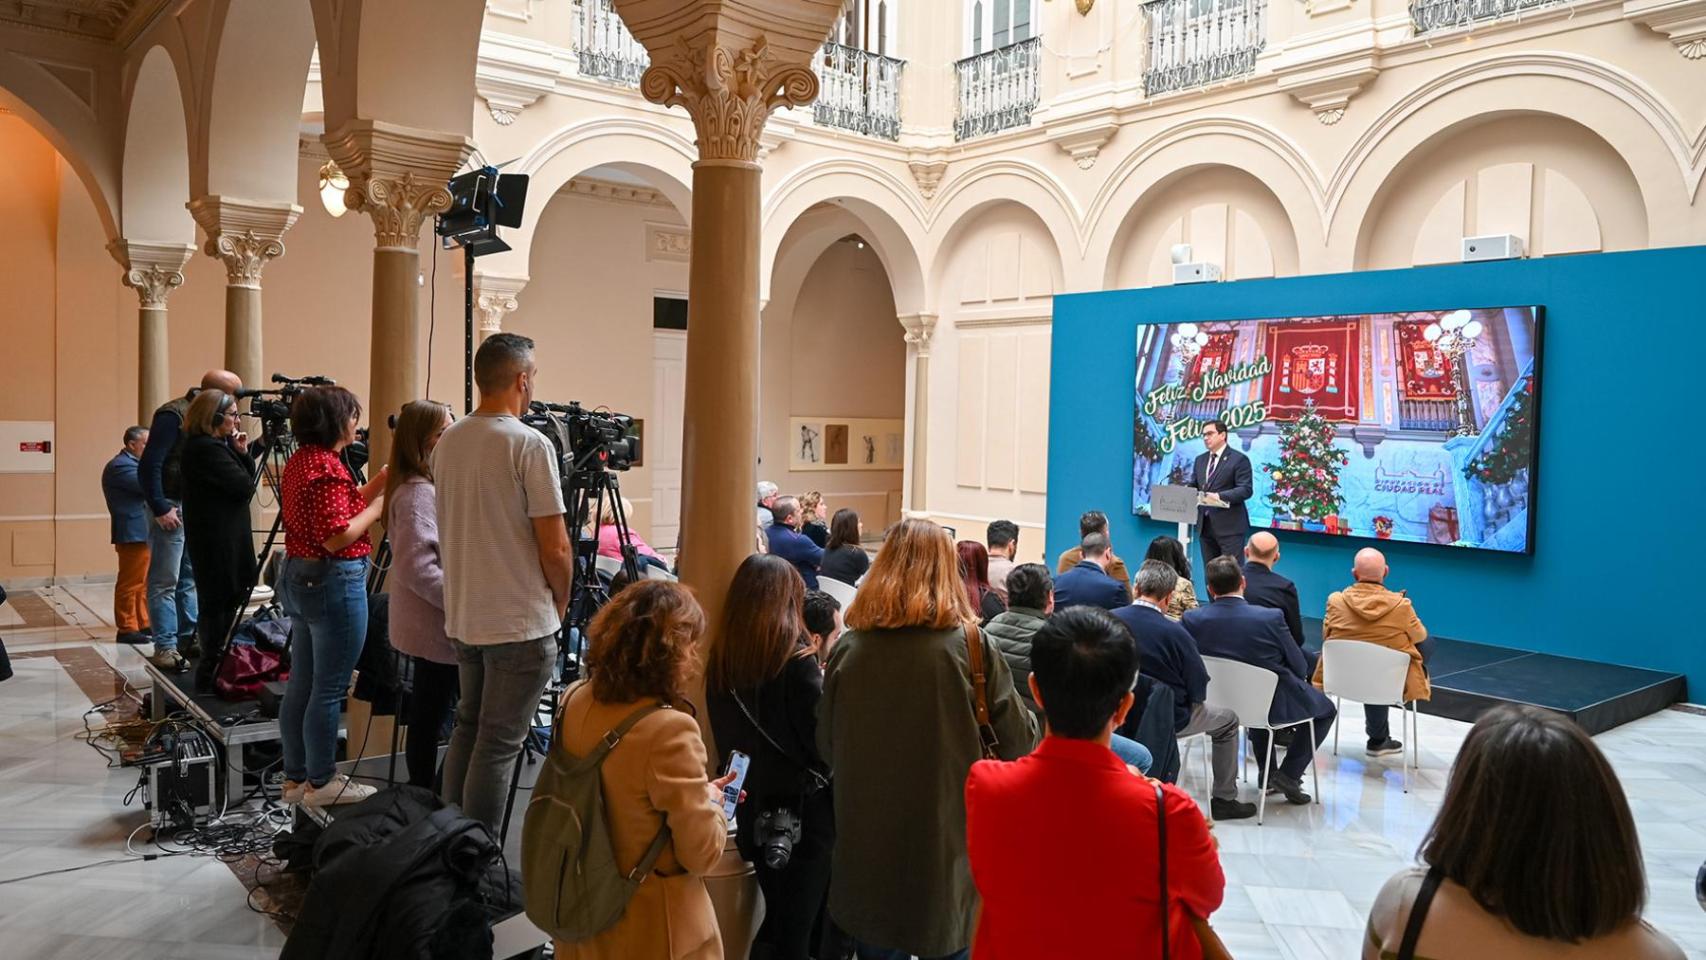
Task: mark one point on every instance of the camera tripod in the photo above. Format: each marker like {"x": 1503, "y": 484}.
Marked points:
{"x": 588, "y": 490}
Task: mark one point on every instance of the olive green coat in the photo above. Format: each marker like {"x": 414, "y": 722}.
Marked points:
{"x": 896, "y": 724}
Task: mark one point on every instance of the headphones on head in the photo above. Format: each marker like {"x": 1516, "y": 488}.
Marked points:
{"x": 219, "y": 415}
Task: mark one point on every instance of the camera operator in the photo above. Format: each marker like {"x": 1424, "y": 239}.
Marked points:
{"x": 172, "y": 598}
{"x": 218, "y": 480}
{"x": 504, "y": 544}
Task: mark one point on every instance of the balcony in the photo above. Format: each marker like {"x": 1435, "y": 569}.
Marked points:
{"x": 998, "y": 89}
{"x": 858, "y": 91}
{"x": 1440, "y": 16}
{"x": 1194, "y": 43}
{"x": 604, "y": 47}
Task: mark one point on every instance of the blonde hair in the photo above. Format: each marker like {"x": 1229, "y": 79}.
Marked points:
{"x": 811, "y": 506}
{"x": 415, "y": 426}
{"x": 208, "y": 403}
{"x": 914, "y": 582}
{"x": 607, "y": 511}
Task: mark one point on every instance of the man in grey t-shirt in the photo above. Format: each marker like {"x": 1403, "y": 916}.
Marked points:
{"x": 505, "y": 551}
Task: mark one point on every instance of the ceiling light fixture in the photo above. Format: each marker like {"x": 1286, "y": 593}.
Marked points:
{"x": 333, "y": 184}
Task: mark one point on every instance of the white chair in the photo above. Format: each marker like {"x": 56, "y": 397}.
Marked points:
{"x": 1185, "y": 744}
{"x": 1248, "y": 691}
{"x": 657, "y": 573}
{"x": 1368, "y": 673}
{"x": 609, "y": 566}
{"x": 842, "y": 592}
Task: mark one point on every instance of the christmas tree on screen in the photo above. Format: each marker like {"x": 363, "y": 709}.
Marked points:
{"x": 1306, "y": 478}
{"x": 1511, "y": 449}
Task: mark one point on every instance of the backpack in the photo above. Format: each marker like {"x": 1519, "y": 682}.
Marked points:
{"x": 572, "y": 888}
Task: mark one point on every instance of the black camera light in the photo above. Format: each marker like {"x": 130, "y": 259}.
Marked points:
{"x": 481, "y": 201}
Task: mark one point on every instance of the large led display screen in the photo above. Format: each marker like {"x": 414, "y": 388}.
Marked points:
{"x": 1419, "y": 426}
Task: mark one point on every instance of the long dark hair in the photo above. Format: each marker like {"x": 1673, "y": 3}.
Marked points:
{"x": 1535, "y": 826}
{"x": 843, "y": 529}
{"x": 974, "y": 570}
{"x": 763, "y": 625}
{"x": 1171, "y": 552}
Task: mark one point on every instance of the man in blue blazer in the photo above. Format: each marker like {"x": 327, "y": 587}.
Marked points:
{"x": 1088, "y": 583}
{"x": 1265, "y": 588}
{"x": 1232, "y": 628}
{"x": 787, "y": 542}
{"x": 1225, "y": 473}
{"x": 130, "y": 519}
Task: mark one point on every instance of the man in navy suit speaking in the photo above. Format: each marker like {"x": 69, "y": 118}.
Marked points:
{"x": 1224, "y": 473}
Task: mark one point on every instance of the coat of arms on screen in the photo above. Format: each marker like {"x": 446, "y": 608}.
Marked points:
{"x": 1308, "y": 369}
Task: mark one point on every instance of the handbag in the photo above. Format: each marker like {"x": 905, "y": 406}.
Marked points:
{"x": 1213, "y": 948}
{"x": 819, "y": 781}
{"x": 988, "y": 742}
{"x": 1419, "y": 913}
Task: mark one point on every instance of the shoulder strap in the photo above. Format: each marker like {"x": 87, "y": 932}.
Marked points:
{"x": 980, "y": 691}
{"x": 1418, "y": 914}
{"x": 609, "y": 741}
{"x": 817, "y": 778}
{"x": 1161, "y": 847}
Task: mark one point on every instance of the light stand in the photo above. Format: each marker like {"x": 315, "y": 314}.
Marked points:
{"x": 481, "y": 201}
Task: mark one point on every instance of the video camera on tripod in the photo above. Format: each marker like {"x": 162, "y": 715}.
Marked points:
{"x": 272, "y": 407}
{"x": 582, "y": 436}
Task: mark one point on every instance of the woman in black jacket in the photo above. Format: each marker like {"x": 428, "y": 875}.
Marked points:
{"x": 845, "y": 559}
{"x": 762, "y": 686}
{"x": 218, "y": 482}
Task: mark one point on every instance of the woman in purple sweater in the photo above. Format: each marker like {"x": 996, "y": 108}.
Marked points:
{"x": 417, "y": 584}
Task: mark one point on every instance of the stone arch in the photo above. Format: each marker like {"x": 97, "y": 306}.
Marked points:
{"x": 71, "y": 125}
{"x": 1639, "y": 125}
{"x": 1230, "y": 216}
{"x": 156, "y": 171}
{"x": 409, "y": 63}
{"x": 990, "y": 185}
{"x": 253, "y": 103}
{"x": 880, "y": 207}
{"x": 1277, "y": 165}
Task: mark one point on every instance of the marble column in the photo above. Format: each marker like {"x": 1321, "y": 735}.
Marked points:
{"x": 153, "y": 270}
{"x": 244, "y": 235}
{"x": 397, "y": 176}
{"x": 729, "y": 77}
{"x": 919, "y": 327}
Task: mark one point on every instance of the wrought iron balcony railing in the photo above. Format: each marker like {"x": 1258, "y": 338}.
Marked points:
{"x": 1193, "y": 43}
{"x": 998, "y": 89}
{"x": 605, "y": 48}
{"x": 858, "y": 91}
{"x": 1439, "y": 16}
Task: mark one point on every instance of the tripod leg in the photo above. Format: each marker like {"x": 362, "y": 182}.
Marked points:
{"x": 514, "y": 785}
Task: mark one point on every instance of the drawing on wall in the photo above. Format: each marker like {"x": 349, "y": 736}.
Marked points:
{"x": 828, "y": 443}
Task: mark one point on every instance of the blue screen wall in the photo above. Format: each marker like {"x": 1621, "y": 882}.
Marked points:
{"x": 1621, "y": 511}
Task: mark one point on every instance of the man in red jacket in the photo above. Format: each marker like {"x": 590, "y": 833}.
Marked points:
{"x": 1063, "y": 843}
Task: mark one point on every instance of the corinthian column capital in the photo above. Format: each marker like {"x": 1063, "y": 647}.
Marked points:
{"x": 495, "y": 297}
{"x": 153, "y": 270}
{"x": 397, "y": 175}
{"x": 919, "y": 328}
{"x": 728, "y": 91}
{"x": 243, "y": 234}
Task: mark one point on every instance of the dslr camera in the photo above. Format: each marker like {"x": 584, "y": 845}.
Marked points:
{"x": 272, "y": 407}
{"x": 587, "y": 439}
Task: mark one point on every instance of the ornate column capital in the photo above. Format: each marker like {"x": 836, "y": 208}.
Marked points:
{"x": 244, "y": 234}
{"x": 919, "y": 327}
{"x": 397, "y": 175}
{"x": 152, "y": 269}
{"x": 495, "y": 297}
{"x": 728, "y": 91}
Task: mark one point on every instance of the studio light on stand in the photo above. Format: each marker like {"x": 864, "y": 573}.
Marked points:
{"x": 481, "y": 201}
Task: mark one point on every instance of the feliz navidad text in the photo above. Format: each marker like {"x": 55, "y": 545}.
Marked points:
{"x": 1212, "y": 381}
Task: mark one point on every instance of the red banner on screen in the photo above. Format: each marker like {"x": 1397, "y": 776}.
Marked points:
{"x": 1216, "y": 355}
{"x": 1313, "y": 361}
{"x": 1426, "y": 373}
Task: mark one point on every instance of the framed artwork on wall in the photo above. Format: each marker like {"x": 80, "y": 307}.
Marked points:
{"x": 845, "y": 443}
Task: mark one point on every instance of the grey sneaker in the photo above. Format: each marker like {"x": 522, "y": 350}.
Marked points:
{"x": 169, "y": 660}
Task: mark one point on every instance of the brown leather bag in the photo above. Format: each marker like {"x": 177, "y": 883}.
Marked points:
{"x": 988, "y": 742}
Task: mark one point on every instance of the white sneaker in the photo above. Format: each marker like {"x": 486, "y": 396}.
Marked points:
{"x": 292, "y": 791}
{"x": 339, "y": 789}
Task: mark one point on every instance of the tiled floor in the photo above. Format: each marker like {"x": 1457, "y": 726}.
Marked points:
{"x": 1299, "y": 886}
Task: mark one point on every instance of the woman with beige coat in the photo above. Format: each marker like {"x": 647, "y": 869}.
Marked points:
{"x": 641, "y": 647}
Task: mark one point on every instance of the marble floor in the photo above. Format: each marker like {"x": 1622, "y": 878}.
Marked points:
{"x": 1298, "y": 886}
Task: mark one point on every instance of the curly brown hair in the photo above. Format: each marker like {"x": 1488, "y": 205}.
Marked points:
{"x": 641, "y": 645}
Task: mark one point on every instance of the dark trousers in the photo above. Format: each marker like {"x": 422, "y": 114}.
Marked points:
{"x": 218, "y": 612}
{"x": 1300, "y": 752}
{"x": 1375, "y": 719}
{"x": 430, "y": 702}
{"x": 1215, "y": 544}
{"x": 794, "y": 896}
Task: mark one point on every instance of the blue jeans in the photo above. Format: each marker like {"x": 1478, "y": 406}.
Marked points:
{"x": 1131, "y": 752}
{"x": 327, "y": 604}
{"x": 171, "y": 587}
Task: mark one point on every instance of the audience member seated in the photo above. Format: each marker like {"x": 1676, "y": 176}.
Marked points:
{"x": 823, "y": 622}
{"x": 1170, "y": 656}
{"x": 897, "y": 724}
{"x": 1087, "y": 583}
{"x": 1095, "y": 521}
{"x": 1265, "y": 588}
{"x": 1533, "y": 855}
{"x": 1229, "y": 627}
{"x": 787, "y": 542}
{"x": 1366, "y": 610}
{"x": 767, "y": 492}
{"x": 845, "y": 558}
{"x": 641, "y": 648}
{"x": 1003, "y": 539}
{"x": 1063, "y": 843}
{"x": 610, "y": 539}
{"x": 1171, "y": 552}
{"x": 1031, "y": 594}
{"x": 813, "y": 523}
{"x": 974, "y": 570}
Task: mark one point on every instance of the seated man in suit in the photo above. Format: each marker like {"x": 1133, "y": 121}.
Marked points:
{"x": 1366, "y": 610}
{"x": 787, "y": 542}
{"x": 1087, "y": 584}
{"x": 1095, "y": 521}
{"x": 1231, "y": 628}
{"x": 1170, "y": 656}
{"x": 1265, "y": 588}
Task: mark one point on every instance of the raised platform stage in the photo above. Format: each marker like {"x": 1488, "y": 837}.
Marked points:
{"x": 1470, "y": 678}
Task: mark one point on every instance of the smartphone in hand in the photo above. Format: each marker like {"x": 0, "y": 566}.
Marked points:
{"x": 738, "y": 763}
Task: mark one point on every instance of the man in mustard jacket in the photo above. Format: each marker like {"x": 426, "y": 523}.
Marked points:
{"x": 1366, "y": 610}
